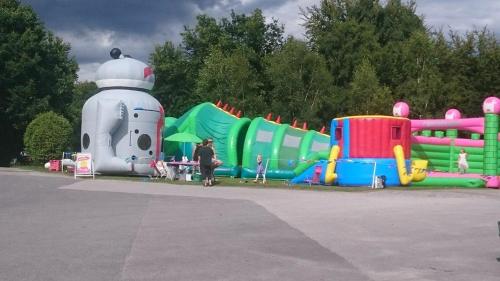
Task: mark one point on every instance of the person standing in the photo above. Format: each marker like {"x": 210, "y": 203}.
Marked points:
{"x": 196, "y": 153}
{"x": 462, "y": 161}
{"x": 206, "y": 155}
{"x": 215, "y": 162}
{"x": 260, "y": 170}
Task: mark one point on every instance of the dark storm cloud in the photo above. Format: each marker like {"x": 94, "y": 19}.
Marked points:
{"x": 143, "y": 17}
{"x": 92, "y": 27}
{"x": 121, "y": 16}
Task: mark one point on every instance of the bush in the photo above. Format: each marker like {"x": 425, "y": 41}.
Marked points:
{"x": 47, "y": 137}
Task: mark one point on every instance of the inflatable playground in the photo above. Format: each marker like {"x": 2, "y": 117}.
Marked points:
{"x": 125, "y": 130}
{"x": 358, "y": 151}
{"x": 438, "y": 142}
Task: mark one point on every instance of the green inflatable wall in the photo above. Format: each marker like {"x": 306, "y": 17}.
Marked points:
{"x": 282, "y": 147}
{"x": 238, "y": 141}
{"x": 208, "y": 121}
{"x": 444, "y": 158}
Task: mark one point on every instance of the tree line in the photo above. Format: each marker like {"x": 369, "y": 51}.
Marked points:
{"x": 357, "y": 57}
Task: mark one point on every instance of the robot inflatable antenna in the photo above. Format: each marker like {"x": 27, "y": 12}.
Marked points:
{"x": 115, "y": 53}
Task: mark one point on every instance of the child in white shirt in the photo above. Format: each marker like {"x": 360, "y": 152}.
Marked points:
{"x": 462, "y": 162}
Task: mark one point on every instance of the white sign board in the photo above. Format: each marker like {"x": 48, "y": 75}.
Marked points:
{"x": 83, "y": 165}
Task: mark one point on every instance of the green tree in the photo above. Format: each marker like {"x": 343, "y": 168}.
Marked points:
{"x": 300, "y": 82}
{"x": 231, "y": 33}
{"x": 82, "y": 92}
{"x": 422, "y": 84}
{"x": 471, "y": 67}
{"x": 396, "y": 22}
{"x": 232, "y": 79}
{"x": 174, "y": 79}
{"x": 341, "y": 32}
{"x": 366, "y": 95}
{"x": 486, "y": 82}
{"x": 375, "y": 53}
{"x": 36, "y": 74}
{"x": 183, "y": 72}
{"x": 197, "y": 41}
{"x": 252, "y": 31}
{"x": 347, "y": 31}
{"x": 47, "y": 137}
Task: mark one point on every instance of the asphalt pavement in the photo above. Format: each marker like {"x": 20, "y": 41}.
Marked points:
{"x": 55, "y": 228}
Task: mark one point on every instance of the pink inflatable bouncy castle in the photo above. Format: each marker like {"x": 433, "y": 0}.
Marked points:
{"x": 438, "y": 141}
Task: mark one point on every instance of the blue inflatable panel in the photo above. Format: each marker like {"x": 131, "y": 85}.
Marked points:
{"x": 227, "y": 171}
{"x": 270, "y": 174}
{"x": 359, "y": 171}
{"x": 308, "y": 174}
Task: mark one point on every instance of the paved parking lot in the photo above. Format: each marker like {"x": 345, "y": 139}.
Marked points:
{"x": 55, "y": 228}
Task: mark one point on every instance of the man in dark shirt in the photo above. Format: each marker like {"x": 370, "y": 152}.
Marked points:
{"x": 206, "y": 155}
{"x": 196, "y": 153}
{"x": 215, "y": 162}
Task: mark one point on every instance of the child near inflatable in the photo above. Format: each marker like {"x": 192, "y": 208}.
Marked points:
{"x": 462, "y": 162}
{"x": 260, "y": 171}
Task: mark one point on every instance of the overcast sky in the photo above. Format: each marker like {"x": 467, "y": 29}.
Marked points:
{"x": 93, "y": 27}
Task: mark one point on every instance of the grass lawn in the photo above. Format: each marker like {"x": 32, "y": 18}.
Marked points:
{"x": 239, "y": 182}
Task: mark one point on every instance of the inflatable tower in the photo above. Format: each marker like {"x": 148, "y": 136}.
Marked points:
{"x": 122, "y": 124}
{"x": 491, "y": 109}
{"x": 372, "y": 146}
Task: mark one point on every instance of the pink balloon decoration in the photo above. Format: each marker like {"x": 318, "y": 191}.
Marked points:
{"x": 401, "y": 109}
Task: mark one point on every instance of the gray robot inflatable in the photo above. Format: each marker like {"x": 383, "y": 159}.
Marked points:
{"x": 122, "y": 124}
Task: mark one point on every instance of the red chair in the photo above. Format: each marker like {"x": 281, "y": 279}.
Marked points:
{"x": 55, "y": 165}
{"x": 315, "y": 177}
{"x": 317, "y": 173}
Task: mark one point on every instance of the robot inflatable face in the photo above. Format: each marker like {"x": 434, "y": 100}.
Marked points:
{"x": 144, "y": 130}
{"x": 126, "y": 73}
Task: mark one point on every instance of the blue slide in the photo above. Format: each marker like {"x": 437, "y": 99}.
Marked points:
{"x": 309, "y": 174}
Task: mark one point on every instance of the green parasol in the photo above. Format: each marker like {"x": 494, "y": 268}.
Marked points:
{"x": 185, "y": 138}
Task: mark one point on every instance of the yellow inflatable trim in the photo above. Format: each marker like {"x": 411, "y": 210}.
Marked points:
{"x": 418, "y": 167}
{"x": 330, "y": 175}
